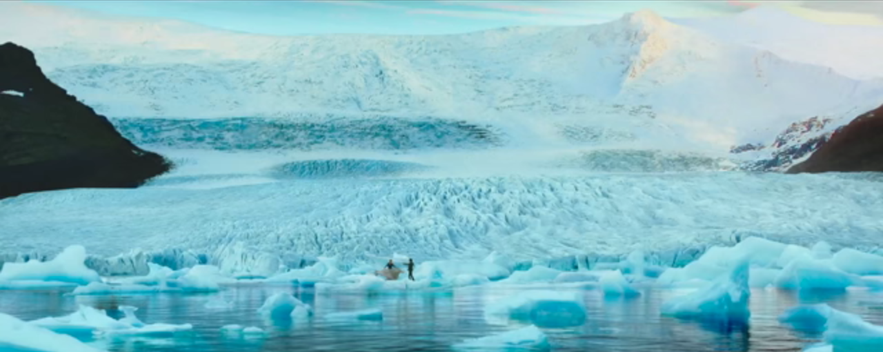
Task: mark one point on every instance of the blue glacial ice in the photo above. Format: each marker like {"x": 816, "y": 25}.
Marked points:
{"x": 725, "y": 300}
{"x": 67, "y": 267}
{"x": 842, "y": 331}
{"x": 614, "y": 284}
{"x": 529, "y": 338}
{"x": 365, "y": 314}
{"x": 283, "y": 306}
{"x": 90, "y": 321}
{"x": 541, "y": 307}
{"x": 20, "y": 336}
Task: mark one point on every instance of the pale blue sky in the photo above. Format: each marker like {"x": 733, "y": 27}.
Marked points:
{"x": 393, "y": 17}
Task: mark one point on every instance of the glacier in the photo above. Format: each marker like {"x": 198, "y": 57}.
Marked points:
{"x": 566, "y": 148}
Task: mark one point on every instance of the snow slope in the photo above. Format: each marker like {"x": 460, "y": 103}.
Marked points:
{"x": 640, "y": 74}
{"x": 853, "y": 51}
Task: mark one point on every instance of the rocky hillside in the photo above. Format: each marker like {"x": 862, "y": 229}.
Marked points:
{"x": 49, "y": 140}
{"x": 855, "y": 147}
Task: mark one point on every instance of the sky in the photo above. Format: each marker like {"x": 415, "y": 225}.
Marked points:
{"x": 444, "y": 17}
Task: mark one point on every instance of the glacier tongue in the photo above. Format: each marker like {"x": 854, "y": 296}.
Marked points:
{"x": 255, "y": 229}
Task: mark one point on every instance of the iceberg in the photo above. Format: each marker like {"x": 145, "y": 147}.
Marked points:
{"x": 253, "y": 330}
{"x": 324, "y": 270}
{"x": 281, "y": 306}
{"x": 85, "y": 321}
{"x": 367, "y": 314}
{"x": 725, "y": 300}
{"x": 529, "y": 338}
{"x": 806, "y": 273}
{"x": 100, "y": 288}
{"x": 614, "y": 284}
{"x": 448, "y": 269}
{"x": 68, "y": 267}
{"x": 842, "y": 331}
{"x": 203, "y": 278}
{"x": 137, "y": 327}
{"x": 858, "y": 263}
{"x": 543, "y": 308}
{"x": 157, "y": 275}
{"x": 17, "y": 335}
{"x": 363, "y": 284}
{"x": 536, "y": 274}
{"x": 578, "y": 276}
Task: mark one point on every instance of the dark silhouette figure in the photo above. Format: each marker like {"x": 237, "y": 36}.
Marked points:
{"x": 411, "y": 269}
{"x": 390, "y": 265}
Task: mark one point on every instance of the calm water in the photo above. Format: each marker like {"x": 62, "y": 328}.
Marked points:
{"x": 435, "y": 321}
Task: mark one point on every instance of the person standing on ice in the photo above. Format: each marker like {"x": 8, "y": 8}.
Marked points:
{"x": 411, "y": 269}
{"x": 390, "y": 265}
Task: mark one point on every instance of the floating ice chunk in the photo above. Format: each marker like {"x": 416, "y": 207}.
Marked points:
{"x": 325, "y": 269}
{"x": 822, "y": 250}
{"x": 99, "y": 288}
{"x": 469, "y": 280}
{"x": 252, "y": 330}
{"x": 281, "y": 306}
{"x": 858, "y": 263}
{"x": 792, "y": 253}
{"x": 811, "y": 318}
{"x": 873, "y": 282}
{"x": 762, "y": 277}
{"x": 218, "y": 303}
{"x": 203, "y": 278}
{"x": 232, "y": 328}
{"x": 533, "y": 275}
{"x": 814, "y": 274}
{"x": 500, "y": 261}
{"x": 365, "y": 284}
{"x": 451, "y": 268}
{"x": 12, "y": 92}
{"x": 614, "y": 284}
{"x": 820, "y": 348}
{"x": 849, "y": 332}
{"x": 529, "y": 338}
{"x": 543, "y": 308}
{"x": 137, "y": 327}
{"x": 578, "y": 276}
{"x": 726, "y": 299}
{"x": 67, "y": 266}
{"x": 634, "y": 263}
{"x": 85, "y": 321}
{"x": 34, "y": 285}
{"x": 16, "y": 335}
{"x": 302, "y": 312}
{"x": 367, "y": 314}
{"x": 158, "y": 275}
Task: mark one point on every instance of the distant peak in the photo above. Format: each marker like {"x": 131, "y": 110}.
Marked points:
{"x": 645, "y": 18}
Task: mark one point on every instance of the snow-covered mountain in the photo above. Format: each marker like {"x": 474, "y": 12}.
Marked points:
{"x": 853, "y": 51}
{"x": 641, "y": 75}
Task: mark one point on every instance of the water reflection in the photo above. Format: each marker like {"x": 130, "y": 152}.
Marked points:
{"x": 435, "y": 321}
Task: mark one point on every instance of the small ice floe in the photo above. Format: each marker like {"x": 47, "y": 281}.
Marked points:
{"x": 725, "y": 300}
{"x": 367, "y": 314}
{"x": 281, "y": 306}
{"x": 67, "y": 267}
{"x": 529, "y": 338}
{"x": 543, "y": 308}
{"x": 88, "y": 319}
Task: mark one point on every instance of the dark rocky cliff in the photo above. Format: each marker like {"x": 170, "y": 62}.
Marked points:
{"x": 51, "y": 141}
{"x": 855, "y": 147}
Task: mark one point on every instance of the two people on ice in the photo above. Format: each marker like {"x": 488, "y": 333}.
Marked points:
{"x": 391, "y": 272}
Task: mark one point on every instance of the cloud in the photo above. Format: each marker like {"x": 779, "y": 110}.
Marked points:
{"x": 375, "y": 5}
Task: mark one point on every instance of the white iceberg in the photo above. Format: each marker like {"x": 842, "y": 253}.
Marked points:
{"x": 614, "y": 284}
{"x": 725, "y": 300}
{"x": 280, "y": 306}
{"x": 858, "y": 263}
{"x": 68, "y": 266}
{"x": 85, "y": 321}
{"x": 543, "y": 308}
{"x": 529, "y": 338}
{"x": 137, "y": 327}
{"x": 17, "y": 335}
{"x": 536, "y": 274}
{"x": 100, "y": 288}
{"x": 324, "y": 270}
{"x": 843, "y": 331}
